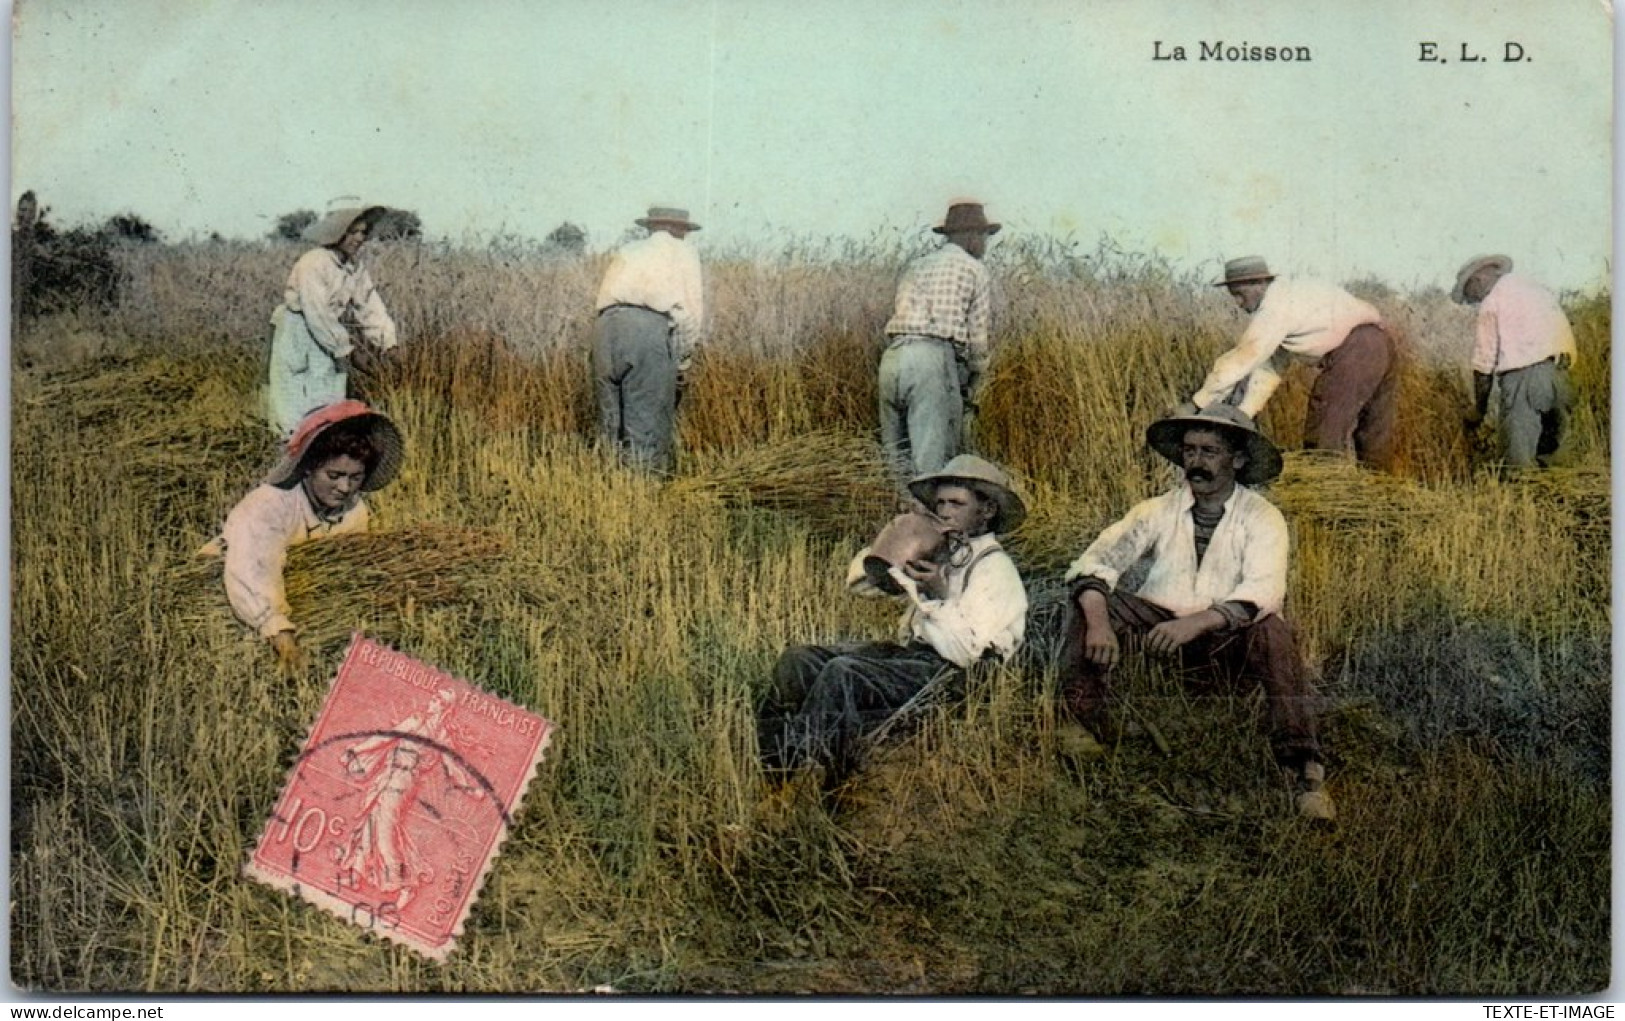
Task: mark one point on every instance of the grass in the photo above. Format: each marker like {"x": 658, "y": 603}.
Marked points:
{"x": 1458, "y": 620}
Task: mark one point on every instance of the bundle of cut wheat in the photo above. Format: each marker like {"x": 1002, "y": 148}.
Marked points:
{"x": 103, "y": 393}
{"x": 339, "y": 584}
{"x": 1330, "y": 490}
{"x": 1583, "y": 492}
{"x": 836, "y": 484}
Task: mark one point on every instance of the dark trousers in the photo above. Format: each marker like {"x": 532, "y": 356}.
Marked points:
{"x": 1355, "y": 399}
{"x": 1263, "y": 653}
{"x": 826, "y": 699}
{"x": 635, "y": 377}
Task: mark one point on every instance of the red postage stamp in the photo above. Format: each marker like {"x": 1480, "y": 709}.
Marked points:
{"x": 399, "y": 799}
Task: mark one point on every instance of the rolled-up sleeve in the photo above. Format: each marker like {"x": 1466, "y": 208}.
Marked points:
{"x": 1486, "y": 340}
{"x": 371, "y": 315}
{"x": 1251, "y": 355}
{"x": 978, "y": 321}
{"x": 688, "y": 311}
{"x": 1117, "y": 548}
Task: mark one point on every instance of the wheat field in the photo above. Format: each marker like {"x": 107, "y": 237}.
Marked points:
{"x": 1457, "y": 619}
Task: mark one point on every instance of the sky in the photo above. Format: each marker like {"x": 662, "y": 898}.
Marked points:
{"x": 776, "y": 118}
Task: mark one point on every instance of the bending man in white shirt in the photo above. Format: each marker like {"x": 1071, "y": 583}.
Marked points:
{"x": 1355, "y": 397}
{"x": 650, "y": 313}
{"x": 1213, "y": 593}
{"x": 825, "y": 699}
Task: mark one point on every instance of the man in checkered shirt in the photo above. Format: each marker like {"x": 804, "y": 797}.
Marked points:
{"x": 937, "y": 355}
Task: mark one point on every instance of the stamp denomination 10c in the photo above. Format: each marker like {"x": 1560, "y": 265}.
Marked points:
{"x": 400, "y": 798}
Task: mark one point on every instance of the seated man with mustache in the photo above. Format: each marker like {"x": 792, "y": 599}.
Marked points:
{"x": 1213, "y": 593}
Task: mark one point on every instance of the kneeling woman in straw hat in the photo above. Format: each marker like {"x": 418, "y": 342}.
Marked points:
{"x": 827, "y": 701}
{"x": 336, "y": 454}
{"x": 330, "y": 314}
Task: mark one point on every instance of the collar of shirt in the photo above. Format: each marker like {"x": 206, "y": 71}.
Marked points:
{"x": 315, "y": 518}
{"x": 1187, "y": 499}
{"x": 347, "y": 267}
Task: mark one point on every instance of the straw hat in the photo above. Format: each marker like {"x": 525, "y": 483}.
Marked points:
{"x": 984, "y": 477}
{"x": 1263, "y": 460}
{"x": 1245, "y": 269}
{"x": 966, "y": 217}
{"x": 349, "y": 416}
{"x": 667, "y": 216}
{"x": 1501, "y": 263}
{"x": 330, "y": 229}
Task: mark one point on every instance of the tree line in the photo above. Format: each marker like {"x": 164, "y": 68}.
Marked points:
{"x": 55, "y": 270}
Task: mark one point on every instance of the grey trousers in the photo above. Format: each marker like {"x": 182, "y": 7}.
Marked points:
{"x": 922, "y": 406}
{"x": 1535, "y": 402}
{"x": 635, "y": 375}
{"x": 826, "y": 698}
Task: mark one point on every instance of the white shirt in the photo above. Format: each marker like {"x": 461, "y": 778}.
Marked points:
{"x": 330, "y": 293}
{"x": 1246, "y": 560}
{"x": 1306, "y": 318}
{"x": 660, "y": 273}
{"x": 258, "y": 532}
{"x": 1520, "y": 323}
{"x": 985, "y": 607}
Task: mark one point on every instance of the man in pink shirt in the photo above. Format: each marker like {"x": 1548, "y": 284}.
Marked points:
{"x": 1524, "y": 343}
{"x": 1355, "y": 396}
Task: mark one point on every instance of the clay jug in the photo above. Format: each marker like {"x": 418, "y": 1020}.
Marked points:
{"x": 911, "y": 536}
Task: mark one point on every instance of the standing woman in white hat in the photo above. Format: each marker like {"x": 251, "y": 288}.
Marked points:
{"x": 330, "y": 314}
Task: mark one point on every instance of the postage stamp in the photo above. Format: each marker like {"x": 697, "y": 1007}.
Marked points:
{"x": 400, "y": 798}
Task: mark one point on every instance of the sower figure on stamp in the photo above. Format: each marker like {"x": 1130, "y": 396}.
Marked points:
{"x": 1524, "y": 343}
{"x": 964, "y": 606}
{"x": 1212, "y": 595}
{"x": 1354, "y": 400}
{"x": 335, "y": 455}
{"x": 937, "y": 350}
{"x": 394, "y": 768}
{"x": 330, "y": 318}
{"x": 651, "y": 309}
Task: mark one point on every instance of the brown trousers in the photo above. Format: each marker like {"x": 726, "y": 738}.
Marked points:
{"x": 1264, "y": 653}
{"x": 1354, "y": 401}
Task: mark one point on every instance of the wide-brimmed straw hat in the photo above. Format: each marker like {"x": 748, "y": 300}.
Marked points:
{"x": 349, "y": 416}
{"x": 966, "y": 217}
{"x": 1503, "y": 263}
{"x": 1263, "y": 461}
{"x": 330, "y": 229}
{"x": 667, "y": 216}
{"x": 1244, "y": 270}
{"x": 981, "y": 475}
